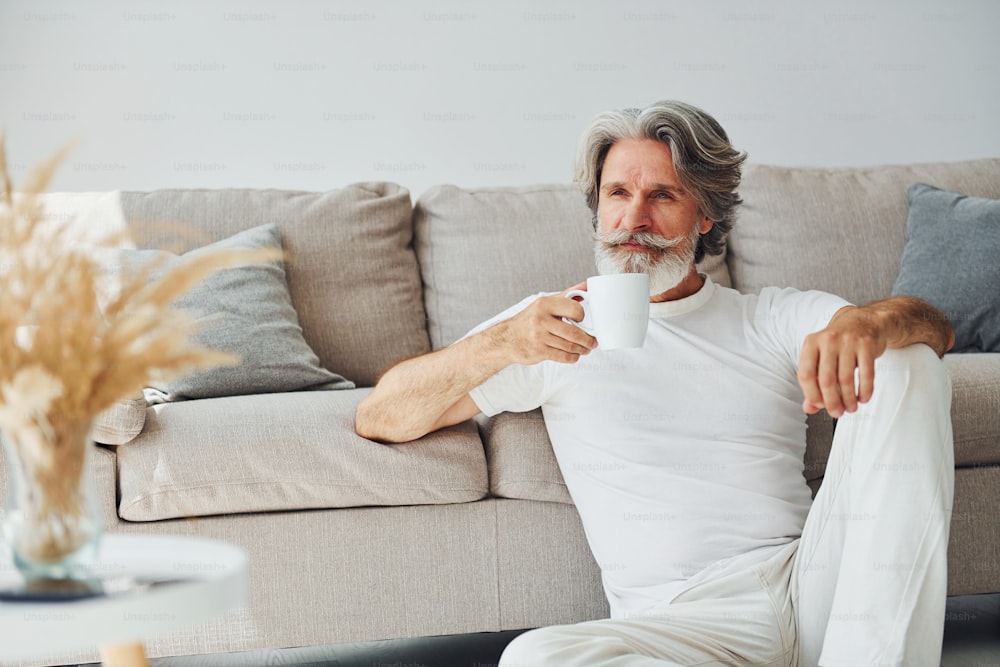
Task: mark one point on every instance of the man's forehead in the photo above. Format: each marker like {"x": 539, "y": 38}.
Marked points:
{"x": 640, "y": 162}
{"x": 609, "y": 185}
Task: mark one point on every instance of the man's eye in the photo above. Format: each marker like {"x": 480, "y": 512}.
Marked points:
{"x": 663, "y": 195}
{"x": 615, "y": 193}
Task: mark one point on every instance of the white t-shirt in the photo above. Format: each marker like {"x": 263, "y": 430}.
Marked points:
{"x": 684, "y": 457}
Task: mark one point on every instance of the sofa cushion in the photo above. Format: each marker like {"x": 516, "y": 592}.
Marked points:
{"x": 838, "y": 230}
{"x": 120, "y": 423}
{"x": 975, "y": 407}
{"x": 523, "y": 465}
{"x": 351, "y": 270}
{"x": 271, "y": 452}
{"x": 244, "y": 310}
{"x": 482, "y": 250}
{"x": 521, "y": 461}
{"x": 950, "y": 260}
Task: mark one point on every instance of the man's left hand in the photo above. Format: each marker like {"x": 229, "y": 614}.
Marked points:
{"x": 854, "y": 339}
{"x": 832, "y": 357}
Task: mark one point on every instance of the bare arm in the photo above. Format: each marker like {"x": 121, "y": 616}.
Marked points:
{"x": 429, "y": 392}
{"x": 855, "y": 337}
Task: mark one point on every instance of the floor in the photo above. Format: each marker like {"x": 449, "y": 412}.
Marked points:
{"x": 971, "y": 639}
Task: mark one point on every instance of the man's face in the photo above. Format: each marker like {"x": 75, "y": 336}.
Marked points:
{"x": 647, "y": 221}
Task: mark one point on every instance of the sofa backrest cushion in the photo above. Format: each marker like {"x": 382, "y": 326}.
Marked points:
{"x": 482, "y": 250}
{"x": 352, "y": 273}
{"x": 839, "y": 230}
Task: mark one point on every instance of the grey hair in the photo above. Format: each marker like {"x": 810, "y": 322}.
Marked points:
{"x": 706, "y": 163}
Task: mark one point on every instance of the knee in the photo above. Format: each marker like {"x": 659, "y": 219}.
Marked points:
{"x": 537, "y": 647}
{"x": 913, "y": 369}
{"x": 910, "y": 408}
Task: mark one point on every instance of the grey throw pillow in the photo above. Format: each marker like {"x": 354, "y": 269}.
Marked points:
{"x": 950, "y": 260}
{"x": 245, "y": 310}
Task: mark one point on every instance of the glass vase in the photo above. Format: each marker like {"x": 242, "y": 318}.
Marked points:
{"x": 52, "y": 521}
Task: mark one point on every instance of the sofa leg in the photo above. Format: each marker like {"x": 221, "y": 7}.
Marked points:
{"x": 123, "y": 655}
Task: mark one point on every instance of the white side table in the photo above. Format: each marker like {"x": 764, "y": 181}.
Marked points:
{"x": 211, "y": 578}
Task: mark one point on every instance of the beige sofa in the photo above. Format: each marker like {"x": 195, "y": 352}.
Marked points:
{"x": 471, "y": 529}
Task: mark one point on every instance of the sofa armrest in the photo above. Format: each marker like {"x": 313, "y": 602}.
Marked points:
{"x": 120, "y": 423}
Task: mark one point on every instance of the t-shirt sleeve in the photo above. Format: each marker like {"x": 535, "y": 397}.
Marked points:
{"x": 514, "y": 389}
{"x": 792, "y": 314}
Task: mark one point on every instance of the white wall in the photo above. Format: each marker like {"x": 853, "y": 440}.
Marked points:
{"x": 312, "y": 95}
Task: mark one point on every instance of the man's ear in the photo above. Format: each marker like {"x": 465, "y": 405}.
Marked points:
{"x": 706, "y": 225}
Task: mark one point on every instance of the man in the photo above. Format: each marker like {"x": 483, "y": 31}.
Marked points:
{"x": 705, "y": 428}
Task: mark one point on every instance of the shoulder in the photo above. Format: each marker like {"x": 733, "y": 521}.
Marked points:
{"x": 813, "y": 305}
{"x": 731, "y": 301}
{"x": 786, "y": 316}
{"x": 777, "y": 311}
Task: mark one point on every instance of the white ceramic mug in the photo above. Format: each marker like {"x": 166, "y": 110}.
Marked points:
{"x": 616, "y": 309}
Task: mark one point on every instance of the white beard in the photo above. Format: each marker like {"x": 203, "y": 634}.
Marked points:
{"x": 668, "y": 264}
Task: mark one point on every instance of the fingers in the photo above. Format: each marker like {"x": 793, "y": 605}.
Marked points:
{"x": 866, "y": 376}
{"x": 842, "y": 394}
{"x": 567, "y": 337}
{"x": 571, "y": 341}
{"x": 810, "y": 408}
{"x": 808, "y": 377}
{"x": 539, "y": 332}
{"x": 836, "y": 374}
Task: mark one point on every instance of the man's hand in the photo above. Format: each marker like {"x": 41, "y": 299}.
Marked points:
{"x": 852, "y": 342}
{"x": 539, "y": 333}
{"x": 829, "y": 358}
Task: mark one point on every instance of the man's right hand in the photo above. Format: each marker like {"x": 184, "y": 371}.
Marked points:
{"x": 539, "y": 333}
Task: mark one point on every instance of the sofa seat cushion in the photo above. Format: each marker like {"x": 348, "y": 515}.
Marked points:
{"x": 521, "y": 461}
{"x": 482, "y": 250}
{"x": 290, "y": 451}
{"x": 351, "y": 270}
{"x": 839, "y": 230}
{"x": 975, "y": 407}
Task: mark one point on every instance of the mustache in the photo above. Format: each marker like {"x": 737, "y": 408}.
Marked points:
{"x": 621, "y": 236}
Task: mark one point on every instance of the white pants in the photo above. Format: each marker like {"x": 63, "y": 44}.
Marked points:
{"x": 865, "y": 584}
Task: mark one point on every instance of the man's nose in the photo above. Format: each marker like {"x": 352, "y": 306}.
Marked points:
{"x": 637, "y": 218}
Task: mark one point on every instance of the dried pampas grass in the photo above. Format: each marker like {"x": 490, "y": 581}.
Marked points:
{"x": 63, "y": 358}
{"x": 51, "y": 317}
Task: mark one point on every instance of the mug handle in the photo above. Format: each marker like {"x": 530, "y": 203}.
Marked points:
{"x": 586, "y": 324}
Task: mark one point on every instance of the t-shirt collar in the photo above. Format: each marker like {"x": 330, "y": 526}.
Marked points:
{"x": 686, "y": 305}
